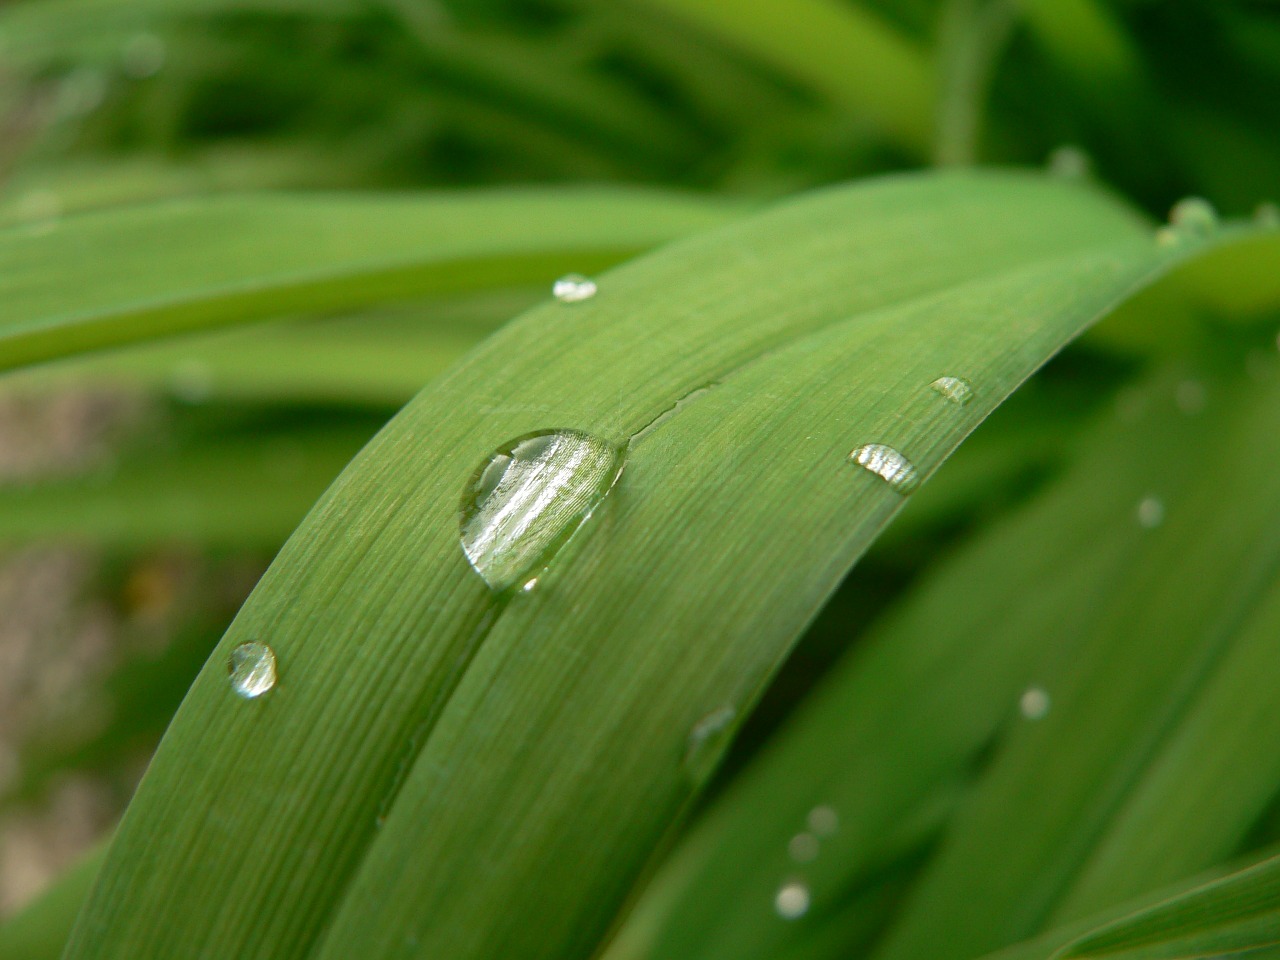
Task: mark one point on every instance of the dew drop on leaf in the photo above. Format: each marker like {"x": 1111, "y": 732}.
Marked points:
{"x": 887, "y": 464}
{"x": 803, "y": 847}
{"x": 1034, "y": 703}
{"x": 529, "y": 497}
{"x": 1192, "y": 218}
{"x": 953, "y": 389}
{"x": 1150, "y": 512}
{"x": 823, "y": 820}
{"x": 1069, "y": 162}
{"x": 792, "y": 900}
{"x": 252, "y": 669}
{"x": 573, "y": 288}
{"x": 708, "y": 740}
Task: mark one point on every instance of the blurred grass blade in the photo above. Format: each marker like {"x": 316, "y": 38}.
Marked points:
{"x": 379, "y": 358}
{"x": 844, "y": 51}
{"x": 40, "y": 930}
{"x": 1231, "y": 915}
{"x": 171, "y": 267}
{"x": 446, "y": 771}
{"x": 246, "y": 490}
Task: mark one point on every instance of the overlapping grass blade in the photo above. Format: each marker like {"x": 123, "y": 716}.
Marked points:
{"x": 118, "y": 276}
{"x": 508, "y": 764}
{"x": 1104, "y": 799}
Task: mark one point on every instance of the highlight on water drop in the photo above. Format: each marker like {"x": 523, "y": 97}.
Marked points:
{"x": 792, "y": 900}
{"x": 803, "y": 847}
{"x": 1150, "y": 512}
{"x": 1192, "y": 218}
{"x": 573, "y": 288}
{"x": 954, "y": 389}
{"x": 528, "y": 498}
{"x": 823, "y": 820}
{"x": 1034, "y": 703}
{"x": 887, "y": 464}
{"x": 1069, "y": 162}
{"x": 252, "y": 669}
{"x": 707, "y": 742}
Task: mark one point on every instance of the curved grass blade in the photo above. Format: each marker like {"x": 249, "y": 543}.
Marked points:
{"x": 1106, "y": 798}
{"x": 445, "y": 771}
{"x": 118, "y": 276}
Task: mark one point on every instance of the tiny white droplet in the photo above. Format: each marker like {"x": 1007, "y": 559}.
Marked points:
{"x": 1150, "y": 512}
{"x": 1190, "y": 396}
{"x": 529, "y": 585}
{"x": 954, "y": 389}
{"x": 1070, "y": 162}
{"x": 1193, "y": 218}
{"x": 1034, "y": 703}
{"x": 792, "y": 900}
{"x": 573, "y": 288}
{"x": 887, "y": 464}
{"x": 823, "y": 820}
{"x": 252, "y": 669}
{"x": 708, "y": 740}
{"x": 803, "y": 847}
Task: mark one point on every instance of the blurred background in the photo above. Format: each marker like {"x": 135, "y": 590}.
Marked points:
{"x": 144, "y": 490}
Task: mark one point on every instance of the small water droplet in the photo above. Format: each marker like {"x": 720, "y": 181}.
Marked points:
{"x": 887, "y": 464}
{"x": 1150, "y": 512}
{"x": 1070, "y": 162}
{"x": 1267, "y": 214}
{"x": 573, "y": 288}
{"x": 803, "y": 847}
{"x": 529, "y": 585}
{"x": 824, "y": 820}
{"x": 252, "y": 669}
{"x": 529, "y": 497}
{"x": 708, "y": 740}
{"x": 143, "y": 56}
{"x": 792, "y": 900}
{"x": 1190, "y": 396}
{"x": 1034, "y": 703}
{"x": 955, "y": 389}
{"x": 1193, "y": 218}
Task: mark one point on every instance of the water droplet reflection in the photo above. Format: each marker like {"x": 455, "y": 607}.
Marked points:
{"x": 1034, "y": 704}
{"x": 954, "y": 389}
{"x": 887, "y": 464}
{"x": 252, "y": 669}
{"x": 529, "y": 497}
{"x": 1150, "y": 512}
{"x": 792, "y": 900}
{"x": 573, "y": 288}
{"x": 824, "y": 820}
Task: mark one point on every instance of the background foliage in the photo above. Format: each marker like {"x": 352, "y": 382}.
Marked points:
{"x": 237, "y": 237}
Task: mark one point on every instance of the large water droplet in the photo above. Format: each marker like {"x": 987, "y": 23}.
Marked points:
{"x": 1150, "y": 512}
{"x": 1034, "y": 703}
{"x": 955, "y": 389}
{"x": 573, "y": 288}
{"x": 888, "y": 464}
{"x": 708, "y": 740}
{"x": 792, "y": 900}
{"x": 252, "y": 669}
{"x": 529, "y": 497}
